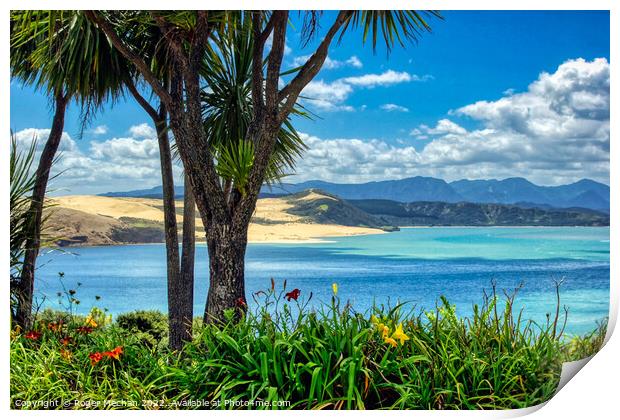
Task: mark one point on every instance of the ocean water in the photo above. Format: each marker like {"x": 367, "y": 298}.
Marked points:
{"x": 415, "y": 265}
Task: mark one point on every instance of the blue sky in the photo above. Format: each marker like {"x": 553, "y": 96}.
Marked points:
{"x": 467, "y": 101}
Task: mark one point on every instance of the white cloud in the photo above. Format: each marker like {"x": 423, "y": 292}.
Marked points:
{"x": 143, "y": 130}
{"x": 353, "y": 61}
{"x": 330, "y": 63}
{"x": 443, "y": 127}
{"x": 387, "y": 78}
{"x": 330, "y": 96}
{"x": 24, "y": 139}
{"x": 109, "y": 165}
{"x": 99, "y": 130}
{"x": 394, "y": 107}
{"x": 555, "y": 132}
{"x": 125, "y": 149}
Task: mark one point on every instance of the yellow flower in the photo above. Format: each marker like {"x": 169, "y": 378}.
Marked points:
{"x": 400, "y": 335}
{"x": 16, "y": 331}
{"x": 90, "y": 321}
{"x": 335, "y": 288}
{"x": 374, "y": 320}
{"x": 390, "y": 341}
{"x": 383, "y": 329}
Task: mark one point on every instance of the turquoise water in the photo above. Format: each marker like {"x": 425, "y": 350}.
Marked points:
{"x": 415, "y": 265}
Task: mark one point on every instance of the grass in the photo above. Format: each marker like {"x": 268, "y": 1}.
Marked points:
{"x": 282, "y": 355}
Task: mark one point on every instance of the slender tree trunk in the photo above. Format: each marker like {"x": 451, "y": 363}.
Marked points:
{"x": 23, "y": 315}
{"x": 177, "y": 296}
{"x": 188, "y": 256}
{"x": 227, "y": 247}
{"x": 180, "y": 301}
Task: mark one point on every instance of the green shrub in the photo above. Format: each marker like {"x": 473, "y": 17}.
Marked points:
{"x": 149, "y": 326}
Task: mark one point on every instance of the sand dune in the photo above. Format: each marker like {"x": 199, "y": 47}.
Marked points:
{"x": 271, "y": 223}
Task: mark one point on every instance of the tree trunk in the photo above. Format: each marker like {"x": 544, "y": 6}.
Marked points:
{"x": 187, "y": 259}
{"x": 226, "y": 246}
{"x": 25, "y": 289}
{"x": 177, "y": 299}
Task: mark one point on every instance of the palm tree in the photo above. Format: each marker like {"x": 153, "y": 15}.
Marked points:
{"x": 187, "y": 35}
{"x": 59, "y": 53}
{"x": 228, "y": 111}
{"x": 180, "y": 270}
{"x": 50, "y": 59}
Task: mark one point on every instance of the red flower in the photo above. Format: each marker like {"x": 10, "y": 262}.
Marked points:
{"x": 241, "y": 302}
{"x": 65, "y": 341}
{"x": 293, "y": 294}
{"x": 115, "y": 354}
{"x": 84, "y": 330}
{"x": 33, "y": 335}
{"x": 95, "y": 358}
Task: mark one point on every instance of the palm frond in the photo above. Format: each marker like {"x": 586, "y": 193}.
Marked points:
{"x": 392, "y": 26}
{"x": 227, "y": 103}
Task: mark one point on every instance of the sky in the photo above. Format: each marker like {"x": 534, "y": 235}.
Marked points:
{"x": 485, "y": 95}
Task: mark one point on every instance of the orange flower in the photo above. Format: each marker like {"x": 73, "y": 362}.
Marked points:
{"x": 55, "y": 326}
{"x": 390, "y": 341}
{"x": 33, "y": 335}
{"x": 95, "y": 358}
{"x": 115, "y": 354}
{"x": 66, "y": 354}
{"x": 293, "y": 294}
{"x": 65, "y": 341}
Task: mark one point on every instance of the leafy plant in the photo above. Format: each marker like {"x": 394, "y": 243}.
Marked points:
{"x": 281, "y": 355}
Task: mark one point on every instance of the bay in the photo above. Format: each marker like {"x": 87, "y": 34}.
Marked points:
{"x": 414, "y": 265}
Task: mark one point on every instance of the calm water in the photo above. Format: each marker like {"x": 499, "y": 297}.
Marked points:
{"x": 413, "y": 265}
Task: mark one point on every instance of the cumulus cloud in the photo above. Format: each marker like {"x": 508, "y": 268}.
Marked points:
{"x": 330, "y": 63}
{"x": 143, "y": 130}
{"x": 99, "y": 130}
{"x": 331, "y": 96}
{"x": 98, "y": 166}
{"x": 394, "y": 107}
{"x": 557, "y": 131}
{"x": 387, "y": 78}
{"x": 24, "y": 139}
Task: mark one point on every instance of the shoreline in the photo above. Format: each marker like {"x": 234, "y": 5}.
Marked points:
{"x": 501, "y": 226}
{"x": 330, "y": 238}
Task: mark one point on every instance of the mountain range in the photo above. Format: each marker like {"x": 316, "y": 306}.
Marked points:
{"x": 583, "y": 194}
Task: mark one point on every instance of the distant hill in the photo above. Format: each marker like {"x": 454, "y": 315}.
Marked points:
{"x": 72, "y": 227}
{"x": 585, "y": 193}
{"x": 409, "y": 189}
{"x": 517, "y": 191}
{"x": 316, "y": 206}
{"x": 424, "y": 213}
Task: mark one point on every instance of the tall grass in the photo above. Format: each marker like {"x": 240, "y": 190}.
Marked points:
{"x": 285, "y": 356}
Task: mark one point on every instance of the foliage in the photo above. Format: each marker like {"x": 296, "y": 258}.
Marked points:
{"x": 150, "y": 326}
{"x": 61, "y": 51}
{"x": 330, "y": 358}
{"x": 580, "y": 347}
{"x": 228, "y": 108}
{"x": 22, "y": 180}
